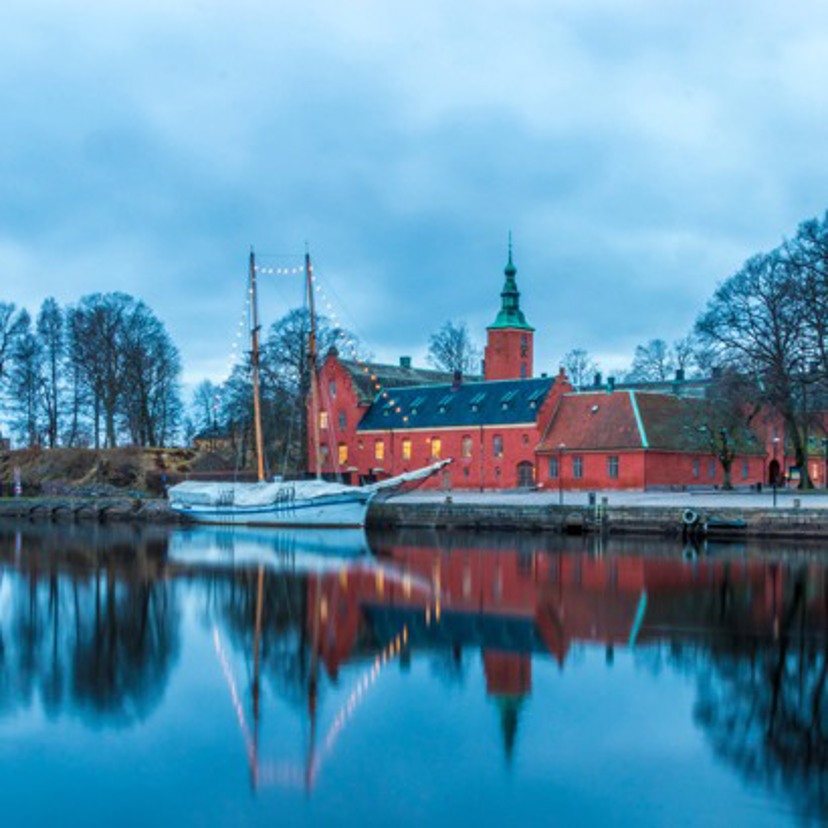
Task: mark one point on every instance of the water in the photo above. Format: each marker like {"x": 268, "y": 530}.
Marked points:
{"x": 429, "y": 680}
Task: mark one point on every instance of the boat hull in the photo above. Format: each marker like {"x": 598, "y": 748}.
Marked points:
{"x": 323, "y": 512}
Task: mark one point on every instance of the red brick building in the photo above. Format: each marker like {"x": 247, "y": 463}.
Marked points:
{"x": 511, "y": 429}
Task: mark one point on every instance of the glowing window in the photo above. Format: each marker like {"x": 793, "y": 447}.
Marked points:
{"x": 436, "y": 447}
{"x": 466, "y": 447}
{"x": 379, "y": 450}
{"x": 343, "y": 454}
{"x": 323, "y": 419}
{"x": 406, "y": 449}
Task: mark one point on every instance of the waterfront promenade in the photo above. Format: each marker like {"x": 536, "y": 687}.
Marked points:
{"x": 708, "y": 499}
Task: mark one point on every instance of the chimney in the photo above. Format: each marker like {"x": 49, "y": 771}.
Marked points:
{"x": 679, "y": 374}
{"x": 405, "y": 362}
{"x": 610, "y": 385}
{"x": 457, "y": 380}
{"x": 597, "y": 382}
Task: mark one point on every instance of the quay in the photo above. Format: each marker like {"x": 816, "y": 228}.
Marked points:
{"x": 694, "y": 515}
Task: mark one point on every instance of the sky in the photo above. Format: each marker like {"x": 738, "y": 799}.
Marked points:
{"x": 638, "y": 151}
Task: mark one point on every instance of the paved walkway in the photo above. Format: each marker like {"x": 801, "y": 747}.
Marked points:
{"x": 709, "y": 499}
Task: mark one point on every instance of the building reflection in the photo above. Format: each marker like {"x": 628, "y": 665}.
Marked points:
{"x": 91, "y": 621}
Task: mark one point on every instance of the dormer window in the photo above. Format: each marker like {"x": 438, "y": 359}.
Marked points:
{"x": 444, "y": 403}
{"x": 535, "y": 399}
{"x": 477, "y": 400}
{"x": 507, "y": 399}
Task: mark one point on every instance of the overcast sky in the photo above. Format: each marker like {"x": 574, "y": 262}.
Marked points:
{"x": 639, "y": 151}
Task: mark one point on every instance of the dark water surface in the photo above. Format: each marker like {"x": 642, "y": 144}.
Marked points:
{"x": 212, "y": 678}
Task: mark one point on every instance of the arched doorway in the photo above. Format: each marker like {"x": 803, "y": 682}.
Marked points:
{"x": 774, "y": 473}
{"x": 525, "y": 475}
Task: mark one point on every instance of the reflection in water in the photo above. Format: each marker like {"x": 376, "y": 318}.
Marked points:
{"x": 91, "y": 622}
{"x": 80, "y": 631}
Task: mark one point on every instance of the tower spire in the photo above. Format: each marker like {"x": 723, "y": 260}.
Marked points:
{"x": 510, "y": 314}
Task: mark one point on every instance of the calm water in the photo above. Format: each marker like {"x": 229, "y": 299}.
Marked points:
{"x": 215, "y": 678}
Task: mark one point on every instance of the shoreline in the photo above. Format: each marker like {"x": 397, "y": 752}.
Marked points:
{"x": 690, "y": 516}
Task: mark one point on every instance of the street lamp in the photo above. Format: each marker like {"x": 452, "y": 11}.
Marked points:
{"x": 561, "y": 448}
{"x": 775, "y": 480}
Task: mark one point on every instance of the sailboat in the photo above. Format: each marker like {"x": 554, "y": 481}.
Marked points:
{"x": 317, "y": 502}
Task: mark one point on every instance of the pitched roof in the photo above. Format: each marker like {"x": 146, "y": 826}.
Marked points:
{"x": 501, "y": 402}
{"x": 367, "y": 375}
{"x": 595, "y": 421}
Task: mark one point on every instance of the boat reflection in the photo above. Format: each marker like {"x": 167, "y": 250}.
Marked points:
{"x": 93, "y": 620}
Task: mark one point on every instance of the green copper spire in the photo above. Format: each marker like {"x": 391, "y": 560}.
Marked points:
{"x": 510, "y": 315}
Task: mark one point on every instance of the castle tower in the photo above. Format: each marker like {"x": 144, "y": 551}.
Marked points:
{"x": 509, "y": 339}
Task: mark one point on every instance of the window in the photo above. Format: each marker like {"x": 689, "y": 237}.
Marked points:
{"x": 744, "y": 469}
{"x": 477, "y": 400}
{"x": 466, "y": 447}
{"x": 696, "y": 467}
{"x": 577, "y": 466}
{"x": 506, "y": 399}
{"x": 406, "y": 449}
{"x": 332, "y": 388}
{"x": 524, "y": 345}
{"x": 343, "y": 420}
{"x": 711, "y": 468}
{"x": 497, "y": 446}
{"x": 343, "y": 454}
{"x": 553, "y": 468}
{"x": 612, "y": 467}
{"x": 323, "y": 451}
{"x": 525, "y": 439}
{"x": 379, "y": 450}
{"x": 323, "y": 420}
{"x": 436, "y": 448}
{"x": 523, "y": 370}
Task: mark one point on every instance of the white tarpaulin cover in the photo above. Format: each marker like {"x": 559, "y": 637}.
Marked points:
{"x": 194, "y": 493}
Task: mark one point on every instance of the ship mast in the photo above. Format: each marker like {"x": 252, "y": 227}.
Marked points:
{"x": 314, "y": 391}
{"x": 254, "y": 362}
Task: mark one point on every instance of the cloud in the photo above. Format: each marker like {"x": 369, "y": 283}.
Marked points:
{"x": 639, "y": 152}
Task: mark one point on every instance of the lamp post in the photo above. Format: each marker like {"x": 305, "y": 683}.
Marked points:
{"x": 561, "y": 448}
{"x": 775, "y": 470}
{"x": 825, "y": 453}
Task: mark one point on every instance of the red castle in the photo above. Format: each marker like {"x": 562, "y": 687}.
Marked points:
{"x": 511, "y": 429}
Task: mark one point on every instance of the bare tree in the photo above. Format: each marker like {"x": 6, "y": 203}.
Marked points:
{"x": 451, "y": 349}
{"x": 653, "y": 362}
{"x": 580, "y": 367}
{"x": 51, "y": 335}
{"x": 26, "y": 383}
{"x": 12, "y": 325}
{"x": 755, "y": 323}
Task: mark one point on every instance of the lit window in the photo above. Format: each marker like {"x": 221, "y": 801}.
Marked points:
{"x": 553, "y": 468}
{"x": 343, "y": 420}
{"x": 323, "y": 419}
{"x": 612, "y": 467}
{"x": 466, "y": 447}
{"x": 497, "y": 445}
{"x": 577, "y": 467}
{"x": 343, "y": 454}
{"x": 436, "y": 448}
{"x": 379, "y": 450}
{"x": 406, "y": 449}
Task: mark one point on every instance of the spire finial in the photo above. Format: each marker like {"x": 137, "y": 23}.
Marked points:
{"x": 510, "y": 247}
